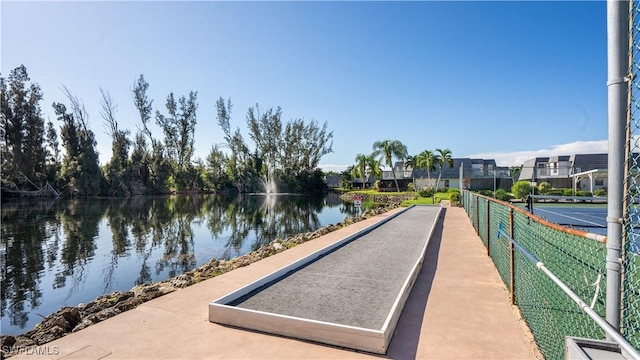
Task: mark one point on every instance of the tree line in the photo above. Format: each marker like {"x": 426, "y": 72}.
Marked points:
{"x": 41, "y": 158}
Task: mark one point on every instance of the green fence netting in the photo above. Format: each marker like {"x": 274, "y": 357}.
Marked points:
{"x": 577, "y": 260}
{"x": 499, "y": 250}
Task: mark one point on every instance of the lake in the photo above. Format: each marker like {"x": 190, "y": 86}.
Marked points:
{"x": 59, "y": 253}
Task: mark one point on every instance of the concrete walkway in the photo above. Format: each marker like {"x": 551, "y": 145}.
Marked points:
{"x": 458, "y": 309}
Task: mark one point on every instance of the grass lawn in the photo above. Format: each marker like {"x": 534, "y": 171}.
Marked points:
{"x": 418, "y": 201}
{"x": 426, "y": 201}
{"x": 374, "y": 192}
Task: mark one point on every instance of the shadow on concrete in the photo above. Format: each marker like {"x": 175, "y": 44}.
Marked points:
{"x": 404, "y": 344}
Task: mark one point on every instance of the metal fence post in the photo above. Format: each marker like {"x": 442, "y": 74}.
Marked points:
{"x": 488, "y": 228}
{"x": 477, "y": 215}
{"x": 512, "y": 263}
{"x": 617, "y": 69}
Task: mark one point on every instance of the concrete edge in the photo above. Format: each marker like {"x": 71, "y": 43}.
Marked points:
{"x": 370, "y": 340}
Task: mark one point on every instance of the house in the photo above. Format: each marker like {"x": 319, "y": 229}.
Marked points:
{"x": 486, "y": 174}
{"x": 369, "y": 182}
{"x": 333, "y": 181}
{"x": 579, "y": 171}
{"x": 403, "y": 176}
{"x": 479, "y": 174}
{"x": 476, "y": 174}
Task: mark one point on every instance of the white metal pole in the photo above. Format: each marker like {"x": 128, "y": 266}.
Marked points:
{"x": 617, "y": 69}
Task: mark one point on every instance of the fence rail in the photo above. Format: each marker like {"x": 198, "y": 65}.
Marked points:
{"x": 577, "y": 259}
{"x": 588, "y": 309}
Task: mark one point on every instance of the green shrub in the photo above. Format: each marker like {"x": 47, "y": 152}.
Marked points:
{"x": 410, "y": 187}
{"x": 521, "y": 189}
{"x": 453, "y": 190}
{"x": 502, "y": 194}
{"x": 368, "y": 204}
{"x": 600, "y": 192}
{"x": 454, "y": 197}
{"x": 567, "y": 192}
{"x": 378, "y": 185}
{"x": 486, "y": 193}
{"x": 427, "y": 192}
{"x": 555, "y": 192}
{"x": 544, "y": 188}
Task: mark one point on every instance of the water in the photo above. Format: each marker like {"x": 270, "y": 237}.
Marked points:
{"x": 66, "y": 252}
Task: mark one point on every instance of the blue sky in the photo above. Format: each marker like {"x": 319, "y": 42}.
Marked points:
{"x": 503, "y": 80}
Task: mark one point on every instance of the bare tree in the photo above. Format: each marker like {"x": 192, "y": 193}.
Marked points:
{"x": 117, "y": 168}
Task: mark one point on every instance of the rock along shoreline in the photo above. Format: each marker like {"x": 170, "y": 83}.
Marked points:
{"x": 75, "y": 318}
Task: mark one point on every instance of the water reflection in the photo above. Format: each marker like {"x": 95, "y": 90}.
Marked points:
{"x": 58, "y": 253}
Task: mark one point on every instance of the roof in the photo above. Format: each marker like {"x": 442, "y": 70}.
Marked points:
{"x": 452, "y": 172}
{"x": 484, "y": 161}
{"x": 528, "y": 166}
{"x": 586, "y": 162}
{"x": 577, "y": 163}
{"x": 333, "y": 180}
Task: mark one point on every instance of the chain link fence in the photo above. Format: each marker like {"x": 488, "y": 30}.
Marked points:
{"x": 579, "y": 261}
{"x": 630, "y": 299}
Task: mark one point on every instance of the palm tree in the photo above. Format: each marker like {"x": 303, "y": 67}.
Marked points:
{"x": 412, "y": 162}
{"x": 366, "y": 165}
{"x": 442, "y": 157}
{"x": 373, "y": 166}
{"x": 427, "y": 160}
{"x": 387, "y": 150}
{"x": 514, "y": 172}
{"x": 346, "y": 176}
{"x": 360, "y": 169}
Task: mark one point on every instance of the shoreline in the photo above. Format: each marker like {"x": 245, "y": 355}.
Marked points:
{"x": 75, "y": 318}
